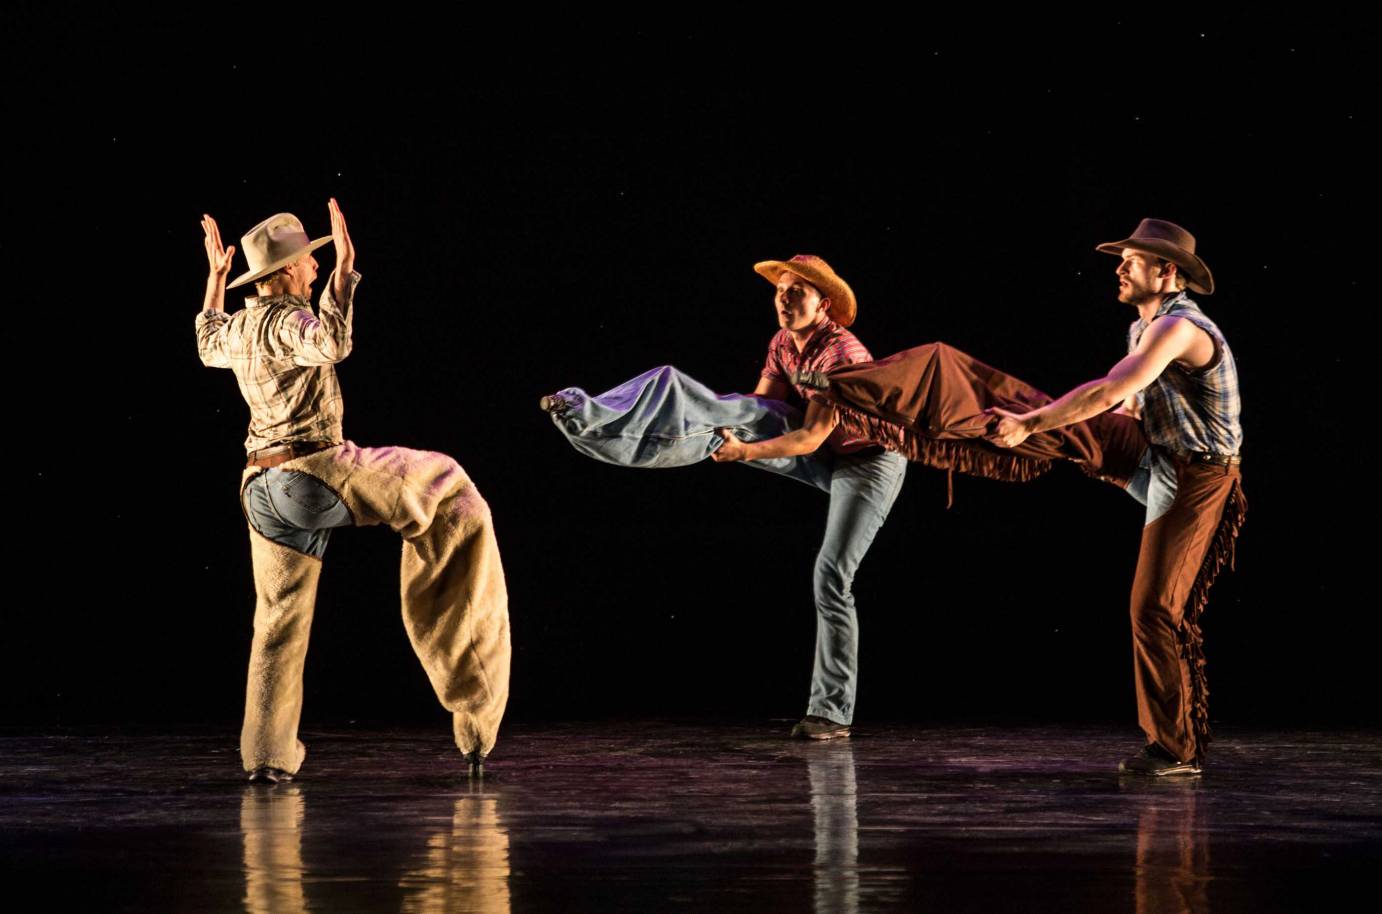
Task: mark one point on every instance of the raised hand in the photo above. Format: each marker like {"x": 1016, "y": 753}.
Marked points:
{"x": 345, "y": 248}
{"x": 218, "y": 256}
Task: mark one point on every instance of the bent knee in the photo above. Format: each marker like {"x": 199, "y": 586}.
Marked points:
{"x": 830, "y": 585}
{"x": 1151, "y": 618}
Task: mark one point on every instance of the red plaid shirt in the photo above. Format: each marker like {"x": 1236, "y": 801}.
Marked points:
{"x": 829, "y": 346}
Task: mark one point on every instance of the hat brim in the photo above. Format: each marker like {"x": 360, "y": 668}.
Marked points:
{"x": 252, "y": 275}
{"x": 844, "y": 309}
{"x": 1197, "y": 275}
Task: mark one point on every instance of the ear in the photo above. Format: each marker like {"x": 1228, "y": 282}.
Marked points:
{"x": 826, "y": 304}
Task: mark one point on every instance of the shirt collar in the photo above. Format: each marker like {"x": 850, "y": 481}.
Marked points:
{"x": 287, "y": 298}
{"x": 824, "y": 329}
{"x": 1180, "y": 298}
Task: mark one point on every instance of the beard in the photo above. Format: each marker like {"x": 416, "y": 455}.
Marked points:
{"x": 1135, "y": 295}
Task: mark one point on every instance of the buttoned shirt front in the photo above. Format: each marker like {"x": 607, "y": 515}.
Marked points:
{"x": 829, "y": 346}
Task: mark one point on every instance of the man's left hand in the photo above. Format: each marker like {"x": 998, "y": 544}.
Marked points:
{"x": 345, "y": 248}
{"x": 1012, "y": 429}
{"x": 733, "y": 449}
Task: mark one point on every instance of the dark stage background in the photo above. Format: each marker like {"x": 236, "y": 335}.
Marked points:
{"x": 572, "y": 211}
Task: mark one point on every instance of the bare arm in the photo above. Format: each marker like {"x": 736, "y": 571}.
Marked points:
{"x": 821, "y": 419}
{"x": 1131, "y": 407}
{"x": 1166, "y": 340}
{"x": 772, "y": 390}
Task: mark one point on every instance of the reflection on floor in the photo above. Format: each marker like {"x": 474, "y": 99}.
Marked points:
{"x": 655, "y": 816}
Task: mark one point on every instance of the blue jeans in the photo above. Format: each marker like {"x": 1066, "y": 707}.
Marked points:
{"x": 293, "y": 509}
{"x": 1154, "y": 483}
{"x": 862, "y": 491}
{"x": 664, "y": 418}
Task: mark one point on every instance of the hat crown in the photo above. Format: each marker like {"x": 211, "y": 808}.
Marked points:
{"x": 813, "y": 266}
{"x": 276, "y": 238}
{"x": 1161, "y": 230}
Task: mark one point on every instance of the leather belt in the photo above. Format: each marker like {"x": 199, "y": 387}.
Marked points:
{"x": 1219, "y": 460}
{"x": 273, "y": 456}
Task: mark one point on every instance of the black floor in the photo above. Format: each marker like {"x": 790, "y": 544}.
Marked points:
{"x": 651, "y": 816}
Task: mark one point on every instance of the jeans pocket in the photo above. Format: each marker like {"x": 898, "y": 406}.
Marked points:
{"x": 308, "y": 493}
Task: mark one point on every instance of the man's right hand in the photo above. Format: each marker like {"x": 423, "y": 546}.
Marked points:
{"x": 733, "y": 449}
{"x": 218, "y": 257}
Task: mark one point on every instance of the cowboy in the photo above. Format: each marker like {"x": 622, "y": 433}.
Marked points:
{"x": 814, "y": 309}
{"x": 303, "y": 478}
{"x": 1179, "y": 375}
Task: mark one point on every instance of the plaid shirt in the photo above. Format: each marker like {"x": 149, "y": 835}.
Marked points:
{"x": 1192, "y": 411}
{"x": 282, "y": 355}
{"x": 829, "y": 346}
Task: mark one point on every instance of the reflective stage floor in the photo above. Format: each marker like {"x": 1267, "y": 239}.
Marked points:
{"x": 658, "y": 816}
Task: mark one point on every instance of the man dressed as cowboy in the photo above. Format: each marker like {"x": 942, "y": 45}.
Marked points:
{"x": 1179, "y": 375}
{"x": 814, "y": 307}
{"x": 303, "y": 478}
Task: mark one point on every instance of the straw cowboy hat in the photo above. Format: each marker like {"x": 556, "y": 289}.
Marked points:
{"x": 1169, "y": 242}
{"x": 273, "y": 243}
{"x": 817, "y": 272}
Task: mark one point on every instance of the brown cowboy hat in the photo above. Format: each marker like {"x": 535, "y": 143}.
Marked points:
{"x": 274, "y": 243}
{"x": 817, "y": 272}
{"x": 1169, "y": 242}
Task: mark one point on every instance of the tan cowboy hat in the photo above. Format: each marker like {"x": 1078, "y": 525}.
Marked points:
{"x": 273, "y": 243}
{"x": 1169, "y": 242}
{"x": 817, "y": 272}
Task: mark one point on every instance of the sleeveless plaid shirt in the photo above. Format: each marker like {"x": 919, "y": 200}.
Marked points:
{"x": 1192, "y": 411}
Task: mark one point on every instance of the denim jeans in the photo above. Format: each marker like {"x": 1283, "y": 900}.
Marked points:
{"x": 1154, "y": 483}
{"x": 294, "y": 510}
{"x": 664, "y": 418}
{"x": 862, "y": 491}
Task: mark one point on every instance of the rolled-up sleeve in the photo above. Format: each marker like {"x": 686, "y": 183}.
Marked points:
{"x": 322, "y": 339}
{"x": 211, "y": 338}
